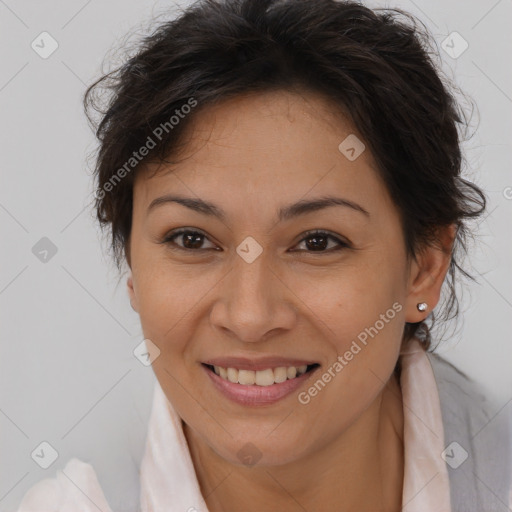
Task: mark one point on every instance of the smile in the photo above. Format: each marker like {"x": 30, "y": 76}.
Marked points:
{"x": 258, "y": 387}
{"x": 265, "y": 377}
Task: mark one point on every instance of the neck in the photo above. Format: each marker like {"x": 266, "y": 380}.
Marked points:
{"x": 362, "y": 469}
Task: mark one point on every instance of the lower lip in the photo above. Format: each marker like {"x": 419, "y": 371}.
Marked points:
{"x": 257, "y": 395}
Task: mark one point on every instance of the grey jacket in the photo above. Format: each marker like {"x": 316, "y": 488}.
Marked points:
{"x": 482, "y": 482}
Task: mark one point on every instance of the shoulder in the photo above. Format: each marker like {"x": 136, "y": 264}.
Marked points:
{"x": 74, "y": 487}
{"x": 468, "y": 411}
{"x": 477, "y": 439}
{"x": 457, "y": 386}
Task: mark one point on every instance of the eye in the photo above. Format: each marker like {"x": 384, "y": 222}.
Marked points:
{"x": 318, "y": 241}
{"x": 191, "y": 239}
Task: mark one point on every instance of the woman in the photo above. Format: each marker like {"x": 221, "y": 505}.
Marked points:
{"x": 284, "y": 182}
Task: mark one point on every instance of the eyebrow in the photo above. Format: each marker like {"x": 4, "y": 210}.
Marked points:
{"x": 293, "y": 210}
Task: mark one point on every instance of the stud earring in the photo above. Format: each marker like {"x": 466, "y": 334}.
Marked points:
{"x": 422, "y": 306}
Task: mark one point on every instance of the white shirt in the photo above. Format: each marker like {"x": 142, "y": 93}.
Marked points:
{"x": 168, "y": 480}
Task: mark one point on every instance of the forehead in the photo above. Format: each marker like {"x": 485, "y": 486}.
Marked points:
{"x": 267, "y": 147}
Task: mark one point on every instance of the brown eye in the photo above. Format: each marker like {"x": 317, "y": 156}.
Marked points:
{"x": 318, "y": 241}
{"x": 191, "y": 240}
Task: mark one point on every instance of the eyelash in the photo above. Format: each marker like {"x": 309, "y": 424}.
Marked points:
{"x": 168, "y": 240}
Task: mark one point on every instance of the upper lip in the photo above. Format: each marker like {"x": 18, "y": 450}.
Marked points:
{"x": 261, "y": 363}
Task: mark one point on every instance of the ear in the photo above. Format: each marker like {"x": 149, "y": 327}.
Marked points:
{"x": 427, "y": 273}
{"x": 131, "y": 293}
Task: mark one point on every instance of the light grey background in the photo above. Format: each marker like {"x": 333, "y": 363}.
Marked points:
{"x": 68, "y": 373}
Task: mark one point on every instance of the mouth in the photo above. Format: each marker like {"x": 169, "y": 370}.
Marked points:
{"x": 262, "y": 387}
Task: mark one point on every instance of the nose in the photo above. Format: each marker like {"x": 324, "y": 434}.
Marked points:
{"x": 253, "y": 302}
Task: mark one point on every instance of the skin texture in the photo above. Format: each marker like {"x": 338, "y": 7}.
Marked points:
{"x": 251, "y": 156}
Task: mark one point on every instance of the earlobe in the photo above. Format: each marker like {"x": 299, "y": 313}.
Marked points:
{"x": 427, "y": 275}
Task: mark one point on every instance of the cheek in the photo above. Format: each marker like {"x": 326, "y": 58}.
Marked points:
{"x": 170, "y": 296}
{"x": 363, "y": 326}
{"x": 346, "y": 300}
{"x": 360, "y": 312}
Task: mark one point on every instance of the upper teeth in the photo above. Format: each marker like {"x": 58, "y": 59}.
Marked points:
{"x": 261, "y": 377}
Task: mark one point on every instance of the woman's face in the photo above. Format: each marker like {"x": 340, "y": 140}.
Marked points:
{"x": 254, "y": 285}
